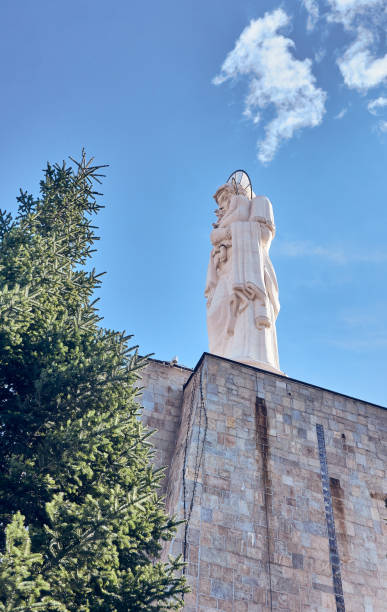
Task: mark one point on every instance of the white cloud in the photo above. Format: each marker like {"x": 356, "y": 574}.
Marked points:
{"x": 333, "y": 254}
{"x": 382, "y": 126}
{"x": 360, "y": 69}
{"x": 312, "y": 9}
{"x": 359, "y": 66}
{"x": 276, "y": 79}
{"x": 375, "y": 105}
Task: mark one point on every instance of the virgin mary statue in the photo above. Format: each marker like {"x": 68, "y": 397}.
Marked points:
{"x": 241, "y": 288}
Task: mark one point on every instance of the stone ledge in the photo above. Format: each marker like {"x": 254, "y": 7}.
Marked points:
{"x": 284, "y": 378}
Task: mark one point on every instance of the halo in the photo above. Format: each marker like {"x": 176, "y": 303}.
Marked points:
{"x": 240, "y": 177}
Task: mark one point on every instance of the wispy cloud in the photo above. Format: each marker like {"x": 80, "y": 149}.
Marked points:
{"x": 369, "y": 342}
{"x": 319, "y": 55}
{"x": 362, "y": 329}
{"x": 374, "y": 106}
{"x": 361, "y": 318}
{"x": 334, "y": 254}
{"x": 275, "y": 79}
{"x": 341, "y": 114}
{"x": 348, "y": 11}
{"x": 382, "y": 126}
{"x": 312, "y": 9}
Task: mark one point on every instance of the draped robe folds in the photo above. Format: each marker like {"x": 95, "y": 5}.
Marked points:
{"x": 241, "y": 286}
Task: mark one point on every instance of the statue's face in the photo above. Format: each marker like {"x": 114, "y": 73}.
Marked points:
{"x": 223, "y": 204}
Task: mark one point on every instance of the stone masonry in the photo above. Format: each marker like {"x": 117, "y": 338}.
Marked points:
{"x": 282, "y": 485}
{"x": 161, "y": 400}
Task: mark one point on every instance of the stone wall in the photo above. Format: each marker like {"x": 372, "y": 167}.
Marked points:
{"x": 282, "y": 484}
{"x": 161, "y": 399}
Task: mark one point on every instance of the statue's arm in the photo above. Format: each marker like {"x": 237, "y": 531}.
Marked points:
{"x": 219, "y": 234}
{"x": 262, "y": 212}
{"x": 239, "y": 211}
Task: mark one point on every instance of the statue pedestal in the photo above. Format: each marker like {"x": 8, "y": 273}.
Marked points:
{"x": 257, "y": 364}
{"x": 281, "y": 485}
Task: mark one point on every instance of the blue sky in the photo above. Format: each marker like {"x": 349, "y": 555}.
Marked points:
{"x": 175, "y": 95}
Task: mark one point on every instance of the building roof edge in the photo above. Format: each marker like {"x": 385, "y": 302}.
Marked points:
{"x": 280, "y": 376}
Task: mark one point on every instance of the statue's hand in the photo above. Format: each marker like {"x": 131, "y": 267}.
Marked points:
{"x": 223, "y": 253}
{"x": 262, "y": 322}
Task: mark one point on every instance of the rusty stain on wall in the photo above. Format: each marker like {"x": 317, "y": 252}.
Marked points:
{"x": 337, "y": 494}
{"x": 262, "y": 446}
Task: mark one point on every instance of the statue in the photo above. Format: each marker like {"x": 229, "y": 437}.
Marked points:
{"x": 241, "y": 288}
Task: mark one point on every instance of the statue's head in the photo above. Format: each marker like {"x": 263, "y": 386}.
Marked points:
{"x": 226, "y": 191}
{"x": 223, "y": 197}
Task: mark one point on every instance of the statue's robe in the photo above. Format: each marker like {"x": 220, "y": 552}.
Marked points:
{"x": 242, "y": 291}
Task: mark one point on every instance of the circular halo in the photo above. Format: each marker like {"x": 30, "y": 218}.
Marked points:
{"x": 240, "y": 177}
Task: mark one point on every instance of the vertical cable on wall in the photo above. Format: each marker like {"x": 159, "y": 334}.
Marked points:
{"x": 197, "y": 400}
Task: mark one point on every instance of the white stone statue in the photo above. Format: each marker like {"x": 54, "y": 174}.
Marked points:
{"x": 241, "y": 288}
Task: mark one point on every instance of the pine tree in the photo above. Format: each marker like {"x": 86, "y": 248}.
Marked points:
{"x": 21, "y": 584}
{"x": 75, "y": 460}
